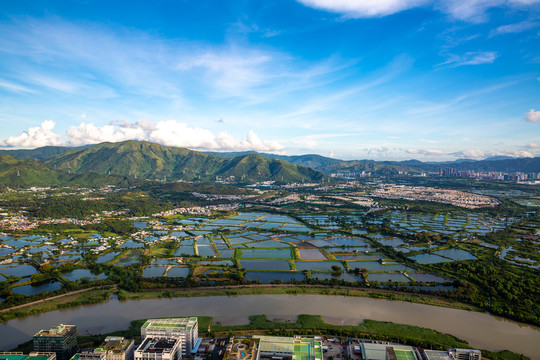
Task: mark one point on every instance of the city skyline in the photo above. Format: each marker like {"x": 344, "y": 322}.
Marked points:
{"x": 384, "y": 80}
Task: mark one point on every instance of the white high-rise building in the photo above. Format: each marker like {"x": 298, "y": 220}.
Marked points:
{"x": 184, "y": 329}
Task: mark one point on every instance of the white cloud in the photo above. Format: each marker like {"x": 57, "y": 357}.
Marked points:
{"x": 425, "y": 152}
{"x": 466, "y": 10}
{"x": 533, "y": 146}
{"x": 14, "y": 87}
{"x": 470, "y": 58}
{"x": 470, "y": 154}
{"x": 34, "y": 137}
{"x": 514, "y": 154}
{"x": 169, "y": 133}
{"x": 514, "y": 28}
{"x": 365, "y": 8}
{"x": 532, "y": 116}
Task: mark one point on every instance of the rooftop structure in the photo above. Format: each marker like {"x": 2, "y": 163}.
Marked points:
{"x": 297, "y": 348}
{"x": 465, "y": 354}
{"x": 57, "y": 331}
{"x": 185, "y": 329}
{"x": 437, "y": 355}
{"x": 61, "y": 340}
{"x": 116, "y": 348}
{"x": 371, "y": 351}
{"x": 31, "y": 356}
{"x": 88, "y": 355}
{"x": 155, "y": 348}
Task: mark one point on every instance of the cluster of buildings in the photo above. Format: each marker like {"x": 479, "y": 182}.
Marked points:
{"x": 490, "y": 175}
{"x": 445, "y": 196}
{"x": 161, "y": 339}
{"x": 177, "y": 338}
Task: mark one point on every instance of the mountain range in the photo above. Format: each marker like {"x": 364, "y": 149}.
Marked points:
{"x": 120, "y": 162}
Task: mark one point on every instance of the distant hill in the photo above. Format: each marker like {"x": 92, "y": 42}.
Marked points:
{"x": 526, "y": 165}
{"x": 30, "y": 172}
{"x": 40, "y": 153}
{"x": 147, "y": 160}
{"x": 310, "y": 160}
{"x": 375, "y": 167}
{"x": 26, "y": 172}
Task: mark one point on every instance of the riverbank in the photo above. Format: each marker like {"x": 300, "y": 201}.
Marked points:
{"x": 96, "y": 295}
{"x": 480, "y": 330}
{"x": 310, "y": 325}
{"x": 292, "y": 289}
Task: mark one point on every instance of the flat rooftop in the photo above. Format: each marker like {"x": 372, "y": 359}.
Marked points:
{"x": 437, "y": 355}
{"x": 59, "y": 330}
{"x": 157, "y": 345}
{"x": 298, "y": 348}
{"x": 276, "y": 344}
{"x": 114, "y": 344}
{"x": 170, "y": 323}
{"x": 21, "y": 356}
{"x": 378, "y": 351}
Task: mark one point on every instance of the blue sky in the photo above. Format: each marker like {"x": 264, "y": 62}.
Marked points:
{"x": 352, "y": 79}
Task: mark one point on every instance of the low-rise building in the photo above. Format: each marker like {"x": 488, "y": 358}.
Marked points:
{"x": 156, "y": 348}
{"x": 31, "y": 356}
{"x": 116, "y": 348}
{"x": 289, "y": 348}
{"x": 465, "y": 354}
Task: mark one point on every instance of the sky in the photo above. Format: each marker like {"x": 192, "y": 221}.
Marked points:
{"x": 351, "y": 79}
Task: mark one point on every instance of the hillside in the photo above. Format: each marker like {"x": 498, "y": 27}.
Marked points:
{"x": 40, "y": 153}
{"x": 30, "y": 172}
{"x": 26, "y": 172}
{"x": 147, "y": 160}
{"x": 310, "y": 160}
{"x": 375, "y": 167}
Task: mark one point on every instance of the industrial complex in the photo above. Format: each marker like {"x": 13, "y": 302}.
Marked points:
{"x": 178, "y": 338}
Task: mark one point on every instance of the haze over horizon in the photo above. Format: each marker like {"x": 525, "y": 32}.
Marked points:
{"x": 381, "y": 80}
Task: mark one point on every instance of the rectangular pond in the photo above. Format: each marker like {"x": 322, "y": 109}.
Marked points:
{"x": 265, "y": 265}
{"x": 178, "y": 272}
{"x": 384, "y": 277}
{"x": 268, "y": 277}
{"x": 337, "y": 276}
{"x": 311, "y": 254}
{"x": 266, "y": 254}
{"x": 154, "y": 271}
{"x": 317, "y": 265}
{"x": 37, "y": 289}
{"x": 429, "y": 259}
{"x": 456, "y": 254}
{"x": 184, "y": 251}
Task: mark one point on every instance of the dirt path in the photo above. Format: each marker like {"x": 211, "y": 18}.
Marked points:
{"x": 47, "y": 299}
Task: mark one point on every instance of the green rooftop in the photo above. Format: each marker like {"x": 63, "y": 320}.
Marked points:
{"x": 21, "y": 356}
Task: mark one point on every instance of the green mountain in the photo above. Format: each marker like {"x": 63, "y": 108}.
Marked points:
{"x": 310, "y": 160}
{"x": 30, "y": 172}
{"x": 26, "y": 172}
{"x": 40, "y": 153}
{"x": 147, "y": 160}
{"x": 375, "y": 167}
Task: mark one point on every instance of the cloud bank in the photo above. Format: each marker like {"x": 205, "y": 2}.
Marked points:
{"x": 169, "y": 133}
{"x": 466, "y": 10}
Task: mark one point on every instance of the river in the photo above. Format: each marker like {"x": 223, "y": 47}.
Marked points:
{"x": 481, "y": 330}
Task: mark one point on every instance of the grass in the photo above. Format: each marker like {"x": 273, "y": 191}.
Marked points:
{"x": 87, "y": 297}
{"x": 292, "y": 289}
{"x": 311, "y": 325}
